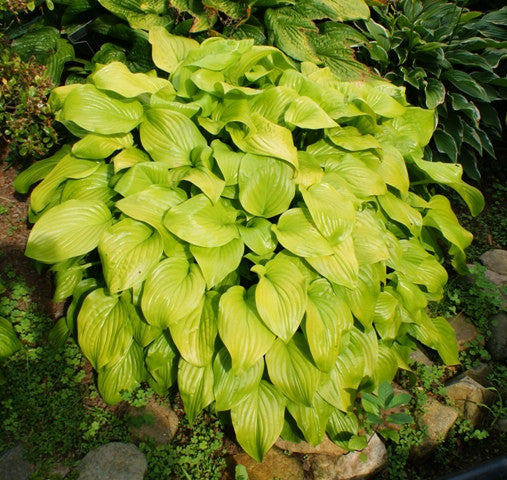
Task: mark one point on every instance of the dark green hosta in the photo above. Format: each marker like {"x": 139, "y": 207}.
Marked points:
{"x": 248, "y": 230}
{"x": 451, "y": 59}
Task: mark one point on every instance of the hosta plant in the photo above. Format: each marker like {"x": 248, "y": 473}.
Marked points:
{"x": 451, "y": 59}
{"x": 266, "y": 237}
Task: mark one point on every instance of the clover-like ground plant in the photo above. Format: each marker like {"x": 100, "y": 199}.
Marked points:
{"x": 265, "y": 236}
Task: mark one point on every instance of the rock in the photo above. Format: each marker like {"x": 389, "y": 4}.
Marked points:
{"x": 497, "y": 343}
{"x": 437, "y": 419}
{"x": 467, "y": 395}
{"x": 496, "y": 278}
{"x": 352, "y": 465}
{"x": 275, "y": 464}
{"x": 495, "y": 260}
{"x": 465, "y": 331}
{"x": 501, "y": 425}
{"x": 161, "y": 422}
{"x": 114, "y": 461}
{"x": 420, "y": 357}
{"x": 480, "y": 374}
{"x": 13, "y": 465}
{"x": 327, "y": 447}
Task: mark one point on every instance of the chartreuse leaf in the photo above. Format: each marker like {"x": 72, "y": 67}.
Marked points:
{"x": 97, "y": 147}
{"x": 450, "y": 174}
{"x": 342, "y": 427}
{"x": 258, "y": 236}
{"x": 241, "y": 329}
{"x": 172, "y": 291}
{"x": 258, "y": 419}
{"x": 68, "y": 274}
{"x": 128, "y": 157}
{"x": 196, "y": 387}
{"x": 93, "y": 187}
{"x": 400, "y": 211}
{"x": 162, "y": 363}
{"x": 117, "y": 78}
{"x": 230, "y": 388}
{"x": 228, "y": 161}
{"x": 387, "y": 365}
{"x": 129, "y": 250}
{"x": 387, "y": 317}
{"x": 312, "y": 420}
{"x": 217, "y": 262}
{"x": 332, "y": 212}
{"x": 96, "y": 112}
{"x": 109, "y": 316}
{"x": 68, "y": 230}
{"x": 327, "y": 318}
{"x": 341, "y": 267}
{"x": 169, "y": 50}
{"x": 124, "y": 375}
{"x": 169, "y": 136}
{"x": 195, "y": 334}
{"x": 291, "y": 369}
{"x": 436, "y": 333}
{"x": 393, "y": 169}
{"x": 266, "y": 185}
{"x": 369, "y": 238}
{"x": 303, "y": 112}
{"x": 350, "y": 138}
{"x": 264, "y": 138}
{"x": 297, "y": 233}
{"x": 280, "y": 296}
{"x": 9, "y": 342}
{"x": 206, "y": 181}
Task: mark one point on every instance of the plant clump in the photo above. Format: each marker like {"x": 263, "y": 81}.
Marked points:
{"x": 268, "y": 237}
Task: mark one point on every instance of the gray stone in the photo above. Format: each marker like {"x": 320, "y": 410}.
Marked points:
{"x": 497, "y": 343}
{"x": 495, "y": 260}
{"x": 480, "y": 374}
{"x": 501, "y": 425}
{"x": 113, "y": 461}
{"x": 162, "y": 422}
{"x": 420, "y": 357}
{"x": 468, "y": 396}
{"x": 496, "y": 278}
{"x": 352, "y": 465}
{"x": 327, "y": 447}
{"x": 465, "y": 331}
{"x": 275, "y": 464}
{"x": 13, "y": 465}
{"x": 438, "y": 419}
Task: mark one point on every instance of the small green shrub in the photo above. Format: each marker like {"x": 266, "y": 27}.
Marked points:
{"x": 451, "y": 59}
{"x": 243, "y": 214}
{"x": 27, "y": 122}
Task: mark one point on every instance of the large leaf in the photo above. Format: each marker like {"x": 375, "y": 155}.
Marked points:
{"x": 129, "y": 250}
{"x": 217, "y": 262}
{"x": 105, "y": 332}
{"x": 9, "y": 342}
{"x": 201, "y": 223}
{"x": 230, "y": 388}
{"x": 68, "y": 230}
{"x": 196, "y": 387}
{"x": 266, "y": 185}
{"x": 169, "y": 136}
{"x": 338, "y": 10}
{"x": 327, "y": 318}
{"x": 258, "y": 236}
{"x": 161, "y": 362}
{"x": 258, "y": 420}
{"x": 291, "y": 369}
{"x": 96, "y": 112}
{"x": 97, "y": 147}
{"x": 241, "y": 329}
{"x": 172, "y": 291}
{"x": 280, "y": 296}
{"x": 303, "y": 112}
{"x": 195, "y": 334}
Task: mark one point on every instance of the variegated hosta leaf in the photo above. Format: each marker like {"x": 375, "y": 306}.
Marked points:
{"x": 162, "y": 363}
{"x": 327, "y": 317}
{"x": 258, "y": 419}
{"x": 280, "y": 296}
{"x": 311, "y": 420}
{"x": 196, "y": 387}
{"x": 124, "y": 375}
{"x": 230, "y": 389}
{"x": 96, "y": 112}
{"x": 241, "y": 329}
{"x": 68, "y": 230}
{"x": 217, "y": 262}
{"x": 266, "y": 185}
{"x": 172, "y": 291}
{"x": 292, "y": 371}
{"x": 199, "y": 222}
{"x": 109, "y": 316}
{"x": 195, "y": 334}
{"x": 129, "y": 250}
